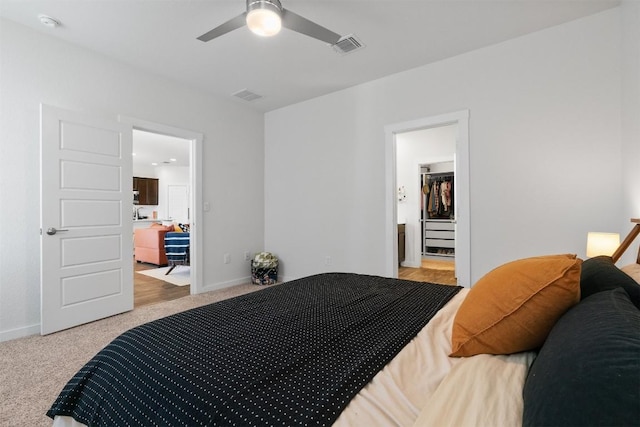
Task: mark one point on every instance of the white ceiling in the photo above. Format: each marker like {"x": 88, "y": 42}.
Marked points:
{"x": 152, "y": 150}
{"x": 159, "y": 36}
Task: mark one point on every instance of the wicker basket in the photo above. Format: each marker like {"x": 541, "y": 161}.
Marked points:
{"x": 263, "y": 275}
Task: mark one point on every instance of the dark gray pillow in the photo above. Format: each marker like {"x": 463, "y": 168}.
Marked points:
{"x": 587, "y": 373}
{"x": 600, "y": 274}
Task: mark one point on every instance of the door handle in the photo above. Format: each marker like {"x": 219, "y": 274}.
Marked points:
{"x": 52, "y": 230}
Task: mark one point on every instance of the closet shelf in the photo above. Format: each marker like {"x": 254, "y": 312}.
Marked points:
{"x": 439, "y": 238}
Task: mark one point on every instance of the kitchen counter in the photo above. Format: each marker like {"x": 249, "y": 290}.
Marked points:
{"x": 144, "y": 223}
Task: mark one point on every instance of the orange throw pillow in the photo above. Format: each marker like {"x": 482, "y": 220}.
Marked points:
{"x": 513, "y": 308}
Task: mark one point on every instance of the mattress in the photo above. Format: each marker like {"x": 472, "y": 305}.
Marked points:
{"x": 423, "y": 386}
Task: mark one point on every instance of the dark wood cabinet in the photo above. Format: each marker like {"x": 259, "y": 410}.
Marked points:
{"x": 152, "y": 191}
{"x": 148, "y": 190}
{"x": 401, "y": 243}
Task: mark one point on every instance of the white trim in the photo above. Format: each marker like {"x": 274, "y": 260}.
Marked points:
{"x": 223, "y": 285}
{"x": 463, "y": 229}
{"x": 26, "y": 331}
{"x": 195, "y": 161}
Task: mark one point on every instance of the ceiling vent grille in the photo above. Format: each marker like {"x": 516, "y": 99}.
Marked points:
{"x": 246, "y": 95}
{"x": 348, "y": 44}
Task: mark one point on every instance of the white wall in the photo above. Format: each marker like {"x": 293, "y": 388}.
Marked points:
{"x": 412, "y": 150}
{"x": 36, "y": 68}
{"x": 630, "y": 15}
{"x": 170, "y": 175}
{"x": 145, "y": 171}
{"x": 545, "y": 154}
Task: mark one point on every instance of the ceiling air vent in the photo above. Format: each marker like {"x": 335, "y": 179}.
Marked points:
{"x": 348, "y": 44}
{"x": 246, "y": 95}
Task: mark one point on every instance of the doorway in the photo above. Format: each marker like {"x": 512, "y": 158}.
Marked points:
{"x": 425, "y": 171}
{"x": 456, "y": 152}
{"x": 162, "y": 162}
{"x": 178, "y": 170}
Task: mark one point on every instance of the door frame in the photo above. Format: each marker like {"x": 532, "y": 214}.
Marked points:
{"x": 195, "y": 181}
{"x": 462, "y": 181}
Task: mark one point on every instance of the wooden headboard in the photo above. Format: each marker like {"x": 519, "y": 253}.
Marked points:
{"x": 632, "y": 270}
{"x": 627, "y": 241}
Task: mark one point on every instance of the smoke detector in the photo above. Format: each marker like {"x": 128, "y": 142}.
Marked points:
{"x": 48, "y": 21}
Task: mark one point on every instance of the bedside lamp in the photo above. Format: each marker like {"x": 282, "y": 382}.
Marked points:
{"x": 602, "y": 243}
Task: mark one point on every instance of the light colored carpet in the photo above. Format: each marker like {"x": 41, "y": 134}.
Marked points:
{"x": 180, "y": 275}
{"x": 33, "y": 370}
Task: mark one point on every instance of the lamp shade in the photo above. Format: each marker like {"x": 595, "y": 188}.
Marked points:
{"x": 264, "y": 17}
{"x": 602, "y": 243}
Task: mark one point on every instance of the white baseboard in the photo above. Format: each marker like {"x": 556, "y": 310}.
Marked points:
{"x": 12, "y": 334}
{"x": 410, "y": 264}
{"x": 241, "y": 281}
{"x": 229, "y": 283}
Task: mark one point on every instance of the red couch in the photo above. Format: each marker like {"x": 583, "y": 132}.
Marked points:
{"x": 149, "y": 244}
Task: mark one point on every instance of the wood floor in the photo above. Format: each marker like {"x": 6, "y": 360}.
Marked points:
{"x": 149, "y": 290}
{"x": 442, "y": 272}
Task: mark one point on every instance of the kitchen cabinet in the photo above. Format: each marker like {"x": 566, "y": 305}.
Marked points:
{"x": 147, "y": 189}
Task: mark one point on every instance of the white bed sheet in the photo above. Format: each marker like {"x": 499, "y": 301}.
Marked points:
{"x": 632, "y": 270}
{"x": 480, "y": 391}
{"x": 401, "y": 394}
{"x": 397, "y": 394}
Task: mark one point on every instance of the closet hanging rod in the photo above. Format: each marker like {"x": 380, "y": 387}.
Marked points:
{"x": 437, "y": 174}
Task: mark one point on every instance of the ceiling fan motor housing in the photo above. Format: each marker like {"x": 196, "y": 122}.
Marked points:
{"x": 264, "y": 17}
{"x": 272, "y": 5}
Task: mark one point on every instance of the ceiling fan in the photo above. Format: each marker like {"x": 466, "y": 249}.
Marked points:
{"x": 266, "y": 17}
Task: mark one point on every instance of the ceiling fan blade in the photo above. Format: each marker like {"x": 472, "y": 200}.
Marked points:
{"x": 228, "y": 26}
{"x": 302, "y": 25}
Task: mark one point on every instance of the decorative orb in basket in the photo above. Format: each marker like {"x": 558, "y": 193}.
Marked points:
{"x": 264, "y": 269}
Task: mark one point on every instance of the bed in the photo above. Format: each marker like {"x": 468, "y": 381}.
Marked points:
{"x": 353, "y": 350}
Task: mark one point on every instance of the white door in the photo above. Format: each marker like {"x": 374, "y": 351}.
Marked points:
{"x": 178, "y": 201}
{"x": 86, "y": 222}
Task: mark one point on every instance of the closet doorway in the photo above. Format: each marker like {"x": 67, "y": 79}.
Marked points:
{"x": 425, "y": 168}
{"x": 429, "y": 177}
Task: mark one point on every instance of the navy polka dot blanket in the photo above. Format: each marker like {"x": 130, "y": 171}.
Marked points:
{"x": 291, "y": 354}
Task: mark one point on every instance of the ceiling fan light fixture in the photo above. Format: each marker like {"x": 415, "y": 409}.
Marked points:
{"x": 264, "y": 17}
